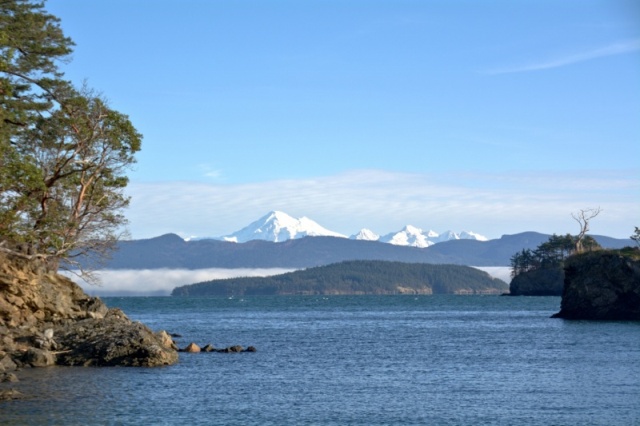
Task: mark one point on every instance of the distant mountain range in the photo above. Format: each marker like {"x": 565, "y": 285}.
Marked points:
{"x": 277, "y": 226}
{"x": 171, "y": 251}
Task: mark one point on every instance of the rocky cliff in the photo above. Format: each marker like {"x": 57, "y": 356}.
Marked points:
{"x": 540, "y": 282}
{"x": 46, "y": 319}
{"x": 603, "y": 285}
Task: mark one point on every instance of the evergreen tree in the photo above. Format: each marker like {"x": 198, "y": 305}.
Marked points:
{"x": 636, "y": 236}
{"x": 63, "y": 151}
{"x": 551, "y": 253}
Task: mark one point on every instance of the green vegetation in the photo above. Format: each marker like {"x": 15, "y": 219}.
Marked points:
{"x": 550, "y": 254}
{"x": 636, "y": 236}
{"x": 357, "y": 277}
{"x": 63, "y": 151}
{"x": 632, "y": 253}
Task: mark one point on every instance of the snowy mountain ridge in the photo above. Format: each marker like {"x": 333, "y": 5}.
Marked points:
{"x": 277, "y": 226}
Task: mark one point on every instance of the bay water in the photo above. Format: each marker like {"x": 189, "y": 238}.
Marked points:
{"x": 355, "y": 360}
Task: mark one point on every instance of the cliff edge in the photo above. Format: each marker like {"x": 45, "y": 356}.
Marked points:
{"x": 46, "y": 319}
{"x": 601, "y": 285}
{"x": 539, "y": 282}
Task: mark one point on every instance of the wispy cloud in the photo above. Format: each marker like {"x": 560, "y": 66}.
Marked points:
{"x": 619, "y": 48}
{"x": 488, "y": 203}
{"x": 209, "y": 172}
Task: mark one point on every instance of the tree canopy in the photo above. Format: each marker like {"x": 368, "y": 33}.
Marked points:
{"x": 636, "y": 236}
{"x": 63, "y": 151}
{"x": 551, "y": 253}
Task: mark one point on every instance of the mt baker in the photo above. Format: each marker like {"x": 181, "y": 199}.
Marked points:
{"x": 277, "y": 226}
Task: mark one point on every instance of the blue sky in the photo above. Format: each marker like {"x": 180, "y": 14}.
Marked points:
{"x": 491, "y": 116}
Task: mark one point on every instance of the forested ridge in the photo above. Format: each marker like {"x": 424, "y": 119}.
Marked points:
{"x": 356, "y": 277}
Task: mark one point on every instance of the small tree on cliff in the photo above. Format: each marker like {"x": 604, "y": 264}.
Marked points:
{"x": 583, "y": 217}
{"x": 550, "y": 254}
{"x": 636, "y": 236}
{"x": 63, "y": 151}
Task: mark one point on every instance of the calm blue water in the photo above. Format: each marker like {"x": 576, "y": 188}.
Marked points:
{"x": 364, "y": 360}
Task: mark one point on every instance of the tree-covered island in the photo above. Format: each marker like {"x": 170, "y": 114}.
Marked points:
{"x": 356, "y": 277}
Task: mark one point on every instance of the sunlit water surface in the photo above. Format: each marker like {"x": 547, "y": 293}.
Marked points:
{"x": 362, "y": 360}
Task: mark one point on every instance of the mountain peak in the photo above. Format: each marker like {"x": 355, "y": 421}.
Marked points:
{"x": 408, "y": 236}
{"x": 278, "y": 226}
{"x": 366, "y": 235}
{"x": 468, "y": 235}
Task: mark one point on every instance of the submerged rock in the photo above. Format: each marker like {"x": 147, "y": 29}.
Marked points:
{"x": 9, "y": 394}
{"x": 35, "y": 357}
{"x": 192, "y": 348}
{"x": 603, "y": 285}
{"x": 8, "y": 377}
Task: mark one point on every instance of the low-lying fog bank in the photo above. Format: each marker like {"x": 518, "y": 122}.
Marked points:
{"x": 160, "y": 282}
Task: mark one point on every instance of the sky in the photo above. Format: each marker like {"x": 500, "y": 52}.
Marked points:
{"x": 496, "y": 117}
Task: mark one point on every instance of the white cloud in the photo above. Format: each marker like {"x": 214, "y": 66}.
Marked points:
{"x": 491, "y": 204}
{"x": 619, "y": 48}
{"x": 161, "y": 282}
{"x": 209, "y": 172}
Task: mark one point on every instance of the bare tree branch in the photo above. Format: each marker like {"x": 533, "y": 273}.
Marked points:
{"x": 583, "y": 217}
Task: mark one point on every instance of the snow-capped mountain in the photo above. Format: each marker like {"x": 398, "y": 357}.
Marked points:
{"x": 277, "y": 226}
{"x": 445, "y": 236}
{"x": 410, "y": 236}
{"x": 464, "y": 235}
{"x": 468, "y": 235}
{"x": 366, "y": 235}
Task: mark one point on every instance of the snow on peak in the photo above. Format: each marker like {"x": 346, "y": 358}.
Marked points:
{"x": 366, "y": 235}
{"x": 408, "y": 236}
{"x": 446, "y": 236}
{"x": 416, "y": 237}
{"x": 468, "y": 235}
{"x": 278, "y": 226}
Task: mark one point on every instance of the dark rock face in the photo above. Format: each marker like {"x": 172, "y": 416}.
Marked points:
{"x": 113, "y": 340}
{"x": 47, "y": 319}
{"x": 601, "y": 286}
{"x": 541, "y": 282}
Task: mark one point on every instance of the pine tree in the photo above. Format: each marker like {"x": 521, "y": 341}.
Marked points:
{"x": 63, "y": 151}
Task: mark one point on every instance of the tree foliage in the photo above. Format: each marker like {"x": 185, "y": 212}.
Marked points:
{"x": 63, "y": 151}
{"x": 636, "y": 236}
{"x": 550, "y": 254}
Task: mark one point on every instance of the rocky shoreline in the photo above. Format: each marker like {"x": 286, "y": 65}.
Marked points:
{"x": 47, "y": 320}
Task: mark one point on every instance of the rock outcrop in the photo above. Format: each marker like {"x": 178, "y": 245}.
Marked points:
{"x": 603, "y": 285}
{"x": 46, "y": 319}
{"x": 194, "y": 348}
{"x": 540, "y": 282}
